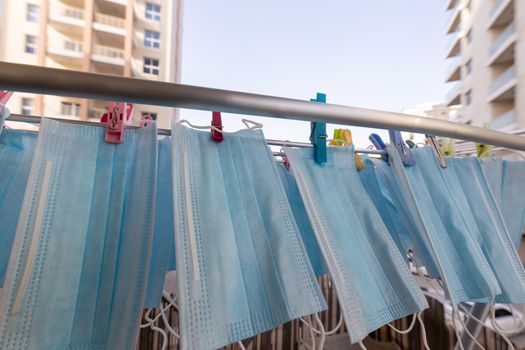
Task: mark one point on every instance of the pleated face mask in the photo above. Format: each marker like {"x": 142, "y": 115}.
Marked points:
{"x": 16, "y": 153}
{"x": 495, "y": 238}
{"x": 241, "y": 264}
{"x": 373, "y": 283}
{"x": 505, "y": 178}
{"x": 162, "y": 246}
{"x": 458, "y": 255}
{"x": 301, "y": 218}
{"x": 77, "y": 273}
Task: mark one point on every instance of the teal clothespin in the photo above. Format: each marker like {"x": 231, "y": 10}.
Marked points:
{"x": 318, "y": 134}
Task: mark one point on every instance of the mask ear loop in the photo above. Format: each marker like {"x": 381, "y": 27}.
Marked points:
{"x": 423, "y": 330}
{"x": 256, "y": 125}
{"x": 164, "y": 318}
{"x": 412, "y": 323}
{"x": 322, "y": 338}
{"x": 316, "y": 331}
{"x": 151, "y": 324}
{"x": 496, "y": 326}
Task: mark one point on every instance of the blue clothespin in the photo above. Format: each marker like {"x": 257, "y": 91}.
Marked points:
{"x": 378, "y": 143}
{"x": 318, "y": 134}
{"x": 405, "y": 153}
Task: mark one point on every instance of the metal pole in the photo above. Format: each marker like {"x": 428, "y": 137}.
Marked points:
{"x": 43, "y": 80}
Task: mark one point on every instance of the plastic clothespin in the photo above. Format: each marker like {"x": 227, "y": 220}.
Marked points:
{"x": 378, "y": 143}
{"x": 318, "y": 134}
{"x": 216, "y": 121}
{"x": 118, "y": 116}
{"x": 405, "y": 153}
{"x": 346, "y": 135}
{"x": 5, "y": 96}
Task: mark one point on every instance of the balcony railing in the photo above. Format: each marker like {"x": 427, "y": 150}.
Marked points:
{"x": 497, "y": 11}
{"x": 455, "y": 39}
{"x": 110, "y": 21}
{"x": 65, "y": 47}
{"x": 453, "y": 93}
{"x": 454, "y": 18}
{"x": 502, "y": 38}
{"x": 502, "y": 80}
{"x": 65, "y": 11}
{"x": 455, "y": 64}
{"x": 503, "y": 120}
{"x": 108, "y": 52}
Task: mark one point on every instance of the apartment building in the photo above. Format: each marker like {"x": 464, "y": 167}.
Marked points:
{"x": 132, "y": 38}
{"x": 486, "y": 54}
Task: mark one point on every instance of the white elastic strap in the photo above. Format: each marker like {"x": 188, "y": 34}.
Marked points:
{"x": 458, "y": 336}
{"x": 241, "y": 345}
{"x": 158, "y": 330}
{"x": 423, "y": 330}
{"x": 465, "y": 329}
{"x": 406, "y": 330}
{"x": 362, "y": 346}
{"x": 164, "y": 318}
{"x": 322, "y": 337}
{"x": 333, "y": 331}
{"x": 496, "y": 327}
{"x": 255, "y": 125}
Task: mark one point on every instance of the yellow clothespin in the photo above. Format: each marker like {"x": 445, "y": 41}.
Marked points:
{"x": 337, "y": 136}
{"x": 346, "y": 135}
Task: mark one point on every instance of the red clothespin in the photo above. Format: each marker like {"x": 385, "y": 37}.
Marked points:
{"x": 286, "y": 163}
{"x": 4, "y": 96}
{"x": 216, "y": 121}
{"x": 118, "y": 116}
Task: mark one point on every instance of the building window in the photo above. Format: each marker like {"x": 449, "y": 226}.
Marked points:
{"x": 70, "y": 109}
{"x": 151, "y": 39}
{"x": 468, "y": 67}
{"x": 152, "y": 11}
{"x": 31, "y": 44}
{"x": 33, "y": 12}
{"x": 153, "y": 115}
{"x": 151, "y": 66}
{"x": 27, "y": 106}
{"x": 468, "y": 98}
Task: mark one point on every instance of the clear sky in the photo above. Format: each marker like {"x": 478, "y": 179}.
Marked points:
{"x": 380, "y": 54}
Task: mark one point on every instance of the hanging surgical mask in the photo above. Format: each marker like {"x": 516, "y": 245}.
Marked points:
{"x": 457, "y": 254}
{"x": 77, "y": 273}
{"x": 505, "y": 178}
{"x": 301, "y": 218}
{"x": 16, "y": 153}
{"x": 241, "y": 264}
{"x": 162, "y": 246}
{"x": 495, "y": 238}
{"x": 373, "y": 283}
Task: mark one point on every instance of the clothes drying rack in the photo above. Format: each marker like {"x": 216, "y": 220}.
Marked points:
{"x": 51, "y": 81}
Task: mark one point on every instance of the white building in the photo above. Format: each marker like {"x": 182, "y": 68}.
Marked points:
{"x": 131, "y": 38}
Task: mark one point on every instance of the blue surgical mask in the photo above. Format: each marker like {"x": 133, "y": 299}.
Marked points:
{"x": 163, "y": 241}
{"x": 457, "y": 254}
{"x": 77, "y": 273}
{"x": 16, "y": 153}
{"x": 301, "y": 218}
{"x": 506, "y": 182}
{"x": 373, "y": 283}
{"x": 241, "y": 264}
{"x": 494, "y": 235}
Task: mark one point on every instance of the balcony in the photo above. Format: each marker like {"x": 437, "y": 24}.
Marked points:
{"x": 66, "y": 15}
{"x": 454, "y": 19}
{"x": 107, "y": 54}
{"x": 451, "y": 4}
{"x": 453, "y": 72}
{"x": 65, "y": 48}
{"x": 109, "y": 24}
{"x": 502, "y": 50}
{"x": 505, "y": 121}
{"x": 95, "y": 114}
{"x": 503, "y": 88}
{"x": 454, "y": 95}
{"x": 502, "y": 14}
{"x": 454, "y": 45}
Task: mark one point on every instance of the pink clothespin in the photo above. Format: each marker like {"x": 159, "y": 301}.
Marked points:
{"x": 118, "y": 116}
{"x": 216, "y": 121}
{"x": 4, "y": 96}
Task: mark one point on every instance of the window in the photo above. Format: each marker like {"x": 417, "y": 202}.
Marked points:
{"x": 468, "y": 67}
{"x": 70, "y": 109}
{"x": 152, "y": 39}
{"x": 468, "y": 97}
{"x": 151, "y": 66}
{"x": 152, "y": 11}
{"x": 27, "y": 106}
{"x": 153, "y": 115}
{"x": 31, "y": 44}
{"x": 32, "y": 13}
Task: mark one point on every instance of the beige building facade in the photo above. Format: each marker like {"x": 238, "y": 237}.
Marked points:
{"x": 131, "y": 38}
{"x": 486, "y": 54}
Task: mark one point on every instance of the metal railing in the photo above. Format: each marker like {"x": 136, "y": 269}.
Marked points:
{"x": 107, "y": 51}
{"x": 502, "y": 79}
{"x": 111, "y": 21}
{"x": 62, "y": 45}
{"x": 502, "y": 38}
